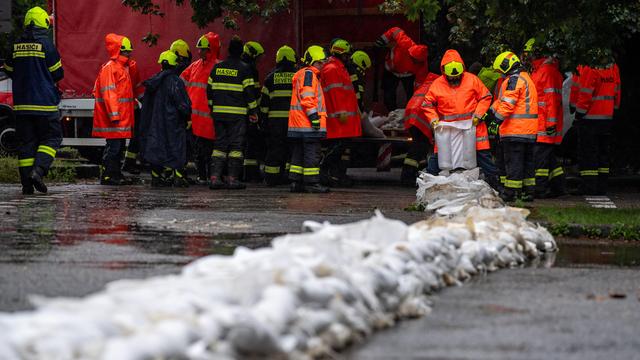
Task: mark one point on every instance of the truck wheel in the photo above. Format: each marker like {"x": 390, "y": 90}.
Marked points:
{"x": 8, "y": 140}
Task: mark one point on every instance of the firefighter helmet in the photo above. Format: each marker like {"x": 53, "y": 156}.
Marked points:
{"x": 38, "y": 17}
{"x": 253, "y": 49}
{"x": 453, "y": 69}
{"x": 314, "y": 53}
{"x": 203, "y": 43}
{"x": 528, "y": 46}
{"x": 505, "y": 62}
{"x": 286, "y": 53}
{"x": 169, "y": 57}
{"x": 361, "y": 59}
{"x": 181, "y": 48}
{"x": 340, "y": 46}
{"x": 125, "y": 44}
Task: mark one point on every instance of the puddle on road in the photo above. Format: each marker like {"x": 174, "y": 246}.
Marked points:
{"x": 585, "y": 253}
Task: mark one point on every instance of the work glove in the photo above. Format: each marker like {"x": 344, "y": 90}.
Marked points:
{"x": 551, "y": 130}
{"x": 343, "y": 118}
{"x": 188, "y": 125}
{"x": 380, "y": 42}
{"x": 493, "y": 128}
{"x": 435, "y": 124}
{"x": 315, "y": 121}
{"x": 476, "y": 120}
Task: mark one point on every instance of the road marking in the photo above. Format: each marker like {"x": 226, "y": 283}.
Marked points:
{"x": 600, "y": 202}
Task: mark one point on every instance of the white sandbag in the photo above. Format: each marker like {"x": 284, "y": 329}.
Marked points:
{"x": 456, "y": 141}
{"x": 368, "y": 129}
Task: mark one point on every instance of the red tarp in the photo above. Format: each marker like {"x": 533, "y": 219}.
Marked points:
{"x": 80, "y": 27}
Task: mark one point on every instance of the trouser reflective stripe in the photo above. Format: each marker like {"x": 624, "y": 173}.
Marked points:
{"x": 603, "y": 170}
{"x": 542, "y": 172}
{"x": 250, "y": 162}
{"x": 26, "y": 162}
{"x": 556, "y": 172}
{"x": 503, "y": 180}
{"x": 130, "y": 155}
{"x": 410, "y": 162}
{"x": 47, "y": 150}
{"x": 305, "y": 160}
{"x": 588, "y": 172}
{"x": 219, "y": 154}
{"x": 296, "y": 169}
{"x": 311, "y": 171}
{"x": 529, "y": 182}
{"x": 520, "y": 167}
{"x": 272, "y": 169}
{"x": 514, "y": 184}
{"x": 594, "y": 138}
{"x": 235, "y": 154}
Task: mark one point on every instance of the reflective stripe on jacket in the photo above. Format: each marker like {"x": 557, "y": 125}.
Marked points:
{"x": 341, "y": 101}
{"x": 231, "y": 91}
{"x": 276, "y": 93}
{"x": 517, "y": 107}
{"x": 34, "y": 68}
{"x": 548, "y": 81}
{"x": 195, "y": 77}
{"x": 307, "y": 99}
{"x": 599, "y": 93}
{"x": 113, "y": 92}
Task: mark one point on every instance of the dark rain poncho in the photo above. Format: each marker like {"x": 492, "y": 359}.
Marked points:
{"x": 165, "y": 111}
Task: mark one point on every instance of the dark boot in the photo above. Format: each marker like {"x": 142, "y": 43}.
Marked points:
{"x": 36, "y": 176}
{"x": 316, "y": 189}
{"x": 408, "y": 176}
{"x": 131, "y": 166}
{"x": 179, "y": 180}
{"x": 215, "y": 171}
{"x": 25, "y": 180}
{"x": 235, "y": 170}
{"x": 296, "y": 187}
{"x": 234, "y": 184}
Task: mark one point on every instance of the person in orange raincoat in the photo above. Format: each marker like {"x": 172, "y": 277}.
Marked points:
{"x": 131, "y": 164}
{"x": 195, "y": 77}
{"x": 307, "y": 123}
{"x": 548, "y": 80}
{"x": 343, "y": 114}
{"x": 113, "y": 117}
{"x": 397, "y": 66}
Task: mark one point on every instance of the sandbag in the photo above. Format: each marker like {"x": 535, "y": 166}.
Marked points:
{"x": 456, "y": 143}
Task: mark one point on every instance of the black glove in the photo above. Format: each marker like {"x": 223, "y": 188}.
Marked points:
{"x": 493, "y": 128}
{"x": 380, "y": 42}
{"x": 315, "y": 121}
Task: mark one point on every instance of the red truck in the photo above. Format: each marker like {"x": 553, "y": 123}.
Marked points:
{"x": 80, "y": 26}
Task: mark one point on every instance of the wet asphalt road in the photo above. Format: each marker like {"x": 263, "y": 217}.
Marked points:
{"x": 79, "y": 237}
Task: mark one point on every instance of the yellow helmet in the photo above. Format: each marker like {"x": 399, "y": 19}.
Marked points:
{"x": 505, "y": 62}
{"x": 314, "y": 53}
{"x": 125, "y": 45}
{"x": 203, "y": 43}
{"x": 453, "y": 69}
{"x": 169, "y": 56}
{"x": 253, "y": 49}
{"x": 180, "y": 47}
{"x": 528, "y": 46}
{"x": 37, "y": 16}
{"x": 340, "y": 46}
{"x": 361, "y": 59}
{"x": 286, "y": 52}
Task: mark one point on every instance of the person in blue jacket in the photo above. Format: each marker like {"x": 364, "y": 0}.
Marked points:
{"x": 166, "y": 108}
{"x": 34, "y": 68}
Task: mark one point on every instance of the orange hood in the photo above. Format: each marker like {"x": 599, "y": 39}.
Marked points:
{"x": 449, "y": 56}
{"x": 113, "y": 42}
{"x": 214, "y": 46}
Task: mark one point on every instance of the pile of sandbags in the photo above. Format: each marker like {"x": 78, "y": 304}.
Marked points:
{"x": 304, "y": 297}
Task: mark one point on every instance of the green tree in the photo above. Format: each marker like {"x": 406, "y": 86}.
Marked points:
{"x": 580, "y": 31}
{"x": 18, "y": 10}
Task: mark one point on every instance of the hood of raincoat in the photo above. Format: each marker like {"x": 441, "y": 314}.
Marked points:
{"x": 113, "y": 42}
{"x": 214, "y": 46}
{"x": 449, "y": 56}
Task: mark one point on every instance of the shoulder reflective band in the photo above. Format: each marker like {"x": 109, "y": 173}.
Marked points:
{"x": 248, "y": 82}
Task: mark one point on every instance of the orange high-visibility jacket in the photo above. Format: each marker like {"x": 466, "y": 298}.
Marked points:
{"x": 195, "y": 77}
{"x": 517, "y": 107}
{"x": 470, "y": 99}
{"x": 548, "y": 81}
{"x": 398, "y": 60}
{"x": 599, "y": 92}
{"x": 307, "y": 100}
{"x": 413, "y": 114}
{"x": 341, "y": 101}
{"x": 136, "y": 80}
{"x": 575, "y": 87}
{"x": 113, "y": 91}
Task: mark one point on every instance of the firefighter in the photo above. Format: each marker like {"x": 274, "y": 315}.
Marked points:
{"x": 195, "y": 77}
{"x": 343, "y": 115}
{"x": 514, "y": 115}
{"x": 417, "y": 125}
{"x": 397, "y": 65}
{"x": 548, "y": 81}
{"x": 34, "y": 68}
{"x": 131, "y": 164}
{"x": 456, "y": 101}
{"x": 166, "y": 109}
{"x": 113, "y": 117}
{"x": 274, "y": 110}
{"x": 231, "y": 96}
{"x": 182, "y": 50}
{"x": 307, "y": 123}
{"x": 256, "y": 144}
{"x": 598, "y": 98}
{"x": 357, "y": 67}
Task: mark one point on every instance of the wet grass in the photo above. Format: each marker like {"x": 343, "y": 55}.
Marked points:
{"x": 62, "y": 171}
{"x": 591, "y": 222}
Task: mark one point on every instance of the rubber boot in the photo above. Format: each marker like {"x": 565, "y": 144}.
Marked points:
{"x": 179, "y": 180}
{"x": 316, "y": 189}
{"x": 215, "y": 171}
{"x": 131, "y": 165}
{"x": 27, "y": 185}
{"x": 296, "y": 187}
{"x": 36, "y": 176}
{"x": 408, "y": 176}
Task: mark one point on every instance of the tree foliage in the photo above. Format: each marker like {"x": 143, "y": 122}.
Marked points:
{"x": 207, "y": 11}
{"x": 579, "y": 31}
{"x": 19, "y": 9}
